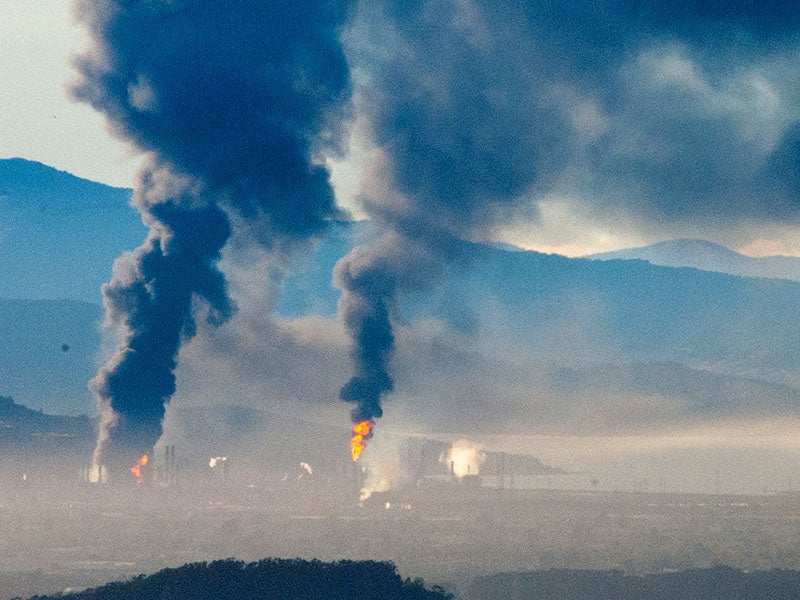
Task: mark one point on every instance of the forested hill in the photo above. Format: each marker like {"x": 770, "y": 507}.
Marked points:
{"x": 270, "y": 578}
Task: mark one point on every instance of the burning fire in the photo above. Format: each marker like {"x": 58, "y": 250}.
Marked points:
{"x": 362, "y": 431}
{"x": 137, "y": 468}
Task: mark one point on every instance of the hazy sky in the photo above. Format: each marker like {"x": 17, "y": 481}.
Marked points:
{"x": 644, "y": 124}
{"x": 39, "y": 121}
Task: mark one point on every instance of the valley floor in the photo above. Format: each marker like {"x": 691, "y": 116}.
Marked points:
{"x": 446, "y": 533}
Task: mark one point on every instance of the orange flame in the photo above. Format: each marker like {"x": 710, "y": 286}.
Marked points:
{"x": 362, "y": 431}
{"x": 137, "y": 468}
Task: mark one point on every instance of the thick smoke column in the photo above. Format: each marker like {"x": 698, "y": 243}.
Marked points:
{"x": 233, "y": 100}
{"x": 369, "y": 287}
{"x": 149, "y": 301}
{"x": 456, "y": 147}
{"x": 371, "y": 277}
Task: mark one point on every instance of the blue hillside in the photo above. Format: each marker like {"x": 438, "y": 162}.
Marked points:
{"x": 59, "y": 234}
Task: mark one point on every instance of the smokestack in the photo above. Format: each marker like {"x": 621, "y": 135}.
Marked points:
{"x": 169, "y": 465}
{"x": 166, "y": 466}
{"x": 234, "y": 102}
{"x": 172, "y": 464}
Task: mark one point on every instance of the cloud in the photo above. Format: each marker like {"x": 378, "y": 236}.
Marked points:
{"x": 240, "y": 94}
{"x": 478, "y": 116}
{"x": 662, "y": 116}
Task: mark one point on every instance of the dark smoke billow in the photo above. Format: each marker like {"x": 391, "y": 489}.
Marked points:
{"x": 369, "y": 288}
{"x": 476, "y": 109}
{"x": 458, "y": 147}
{"x": 612, "y": 109}
{"x": 232, "y": 100}
{"x": 371, "y": 277}
{"x": 150, "y": 300}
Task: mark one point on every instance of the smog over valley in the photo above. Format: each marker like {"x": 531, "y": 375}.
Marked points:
{"x": 434, "y": 299}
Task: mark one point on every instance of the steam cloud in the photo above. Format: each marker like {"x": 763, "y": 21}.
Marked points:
{"x": 465, "y": 457}
{"x": 233, "y": 101}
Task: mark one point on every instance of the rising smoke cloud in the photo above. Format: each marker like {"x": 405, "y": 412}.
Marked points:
{"x": 370, "y": 277}
{"x": 455, "y": 155}
{"x": 149, "y": 302}
{"x": 474, "y": 111}
{"x": 235, "y": 103}
{"x": 481, "y": 113}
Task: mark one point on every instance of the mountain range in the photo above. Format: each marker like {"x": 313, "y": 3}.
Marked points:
{"x": 548, "y": 335}
{"x": 60, "y": 234}
{"x": 708, "y": 256}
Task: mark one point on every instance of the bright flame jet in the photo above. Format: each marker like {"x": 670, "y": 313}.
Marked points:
{"x": 362, "y": 431}
{"x": 137, "y": 468}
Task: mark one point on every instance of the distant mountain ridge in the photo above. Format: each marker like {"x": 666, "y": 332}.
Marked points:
{"x": 60, "y": 234}
{"x": 524, "y": 308}
{"x": 37, "y": 446}
{"x": 683, "y": 332}
{"x": 19, "y": 425}
{"x": 708, "y": 256}
{"x": 30, "y": 177}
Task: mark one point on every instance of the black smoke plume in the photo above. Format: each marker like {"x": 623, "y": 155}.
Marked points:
{"x": 149, "y": 300}
{"x": 369, "y": 288}
{"x": 371, "y": 277}
{"x": 457, "y": 146}
{"x": 477, "y": 109}
{"x": 234, "y": 101}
